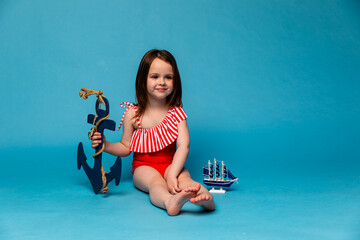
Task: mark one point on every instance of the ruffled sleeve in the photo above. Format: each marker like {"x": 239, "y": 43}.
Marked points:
{"x": 179, "y": 114}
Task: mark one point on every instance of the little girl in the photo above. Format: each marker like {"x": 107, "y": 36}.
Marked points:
{"x": 155, "y": 129}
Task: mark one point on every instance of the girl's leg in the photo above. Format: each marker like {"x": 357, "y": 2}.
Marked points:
{"x": 203, "y": 198}
{"x": 149, "y": 180}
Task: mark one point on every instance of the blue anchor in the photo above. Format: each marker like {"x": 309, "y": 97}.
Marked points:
{"x": 95, "y": 174}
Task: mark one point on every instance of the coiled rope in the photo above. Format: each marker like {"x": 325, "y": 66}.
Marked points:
{"x": 99, "y": 94}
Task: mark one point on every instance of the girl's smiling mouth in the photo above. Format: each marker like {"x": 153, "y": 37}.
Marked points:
{"x": 161, "y": 89}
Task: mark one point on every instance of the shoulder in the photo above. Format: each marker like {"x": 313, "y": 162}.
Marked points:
{"x": 131, "y": 112}
{"x": 130, "y": 116}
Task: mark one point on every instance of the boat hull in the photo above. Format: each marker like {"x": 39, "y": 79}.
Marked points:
{"x": 220, "y": 183}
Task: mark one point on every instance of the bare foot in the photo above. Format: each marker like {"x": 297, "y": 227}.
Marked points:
{"x": 206, "y": 200}
{"x": 176, "y": 202}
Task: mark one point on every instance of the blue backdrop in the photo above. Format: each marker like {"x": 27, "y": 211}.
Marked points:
{"x": 266, "y": 84}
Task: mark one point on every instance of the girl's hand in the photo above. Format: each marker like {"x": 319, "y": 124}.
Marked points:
{"x": 173, "y": 185}
{"x": 96, "y": 140}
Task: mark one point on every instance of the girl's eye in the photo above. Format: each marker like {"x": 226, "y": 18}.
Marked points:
{"x": 154, "y": 77}
{"x": 169, "y": 77}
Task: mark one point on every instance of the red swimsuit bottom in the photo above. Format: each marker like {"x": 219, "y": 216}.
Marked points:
{"x": 159, "y": 160}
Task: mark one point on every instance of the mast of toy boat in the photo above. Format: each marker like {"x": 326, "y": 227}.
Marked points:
{"x": 215, "y": 169}
{"x": 221, "y": 190}
{"x": 209, "y": 167}
{"x": 222, "y": 170}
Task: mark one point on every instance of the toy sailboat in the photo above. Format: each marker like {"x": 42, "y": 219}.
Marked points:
{"x": 222, "y": 178}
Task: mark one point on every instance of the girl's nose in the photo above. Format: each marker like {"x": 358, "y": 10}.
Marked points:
{"x": 161, "y": 80}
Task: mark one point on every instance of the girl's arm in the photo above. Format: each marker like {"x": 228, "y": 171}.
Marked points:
{"x": 181, "y": 154}
{"x": 121, "y": 148}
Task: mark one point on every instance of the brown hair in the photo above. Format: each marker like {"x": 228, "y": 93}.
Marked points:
{"x": 174, "y": 99}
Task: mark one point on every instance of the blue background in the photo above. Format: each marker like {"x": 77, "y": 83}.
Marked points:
{"x": 270, "y": 87}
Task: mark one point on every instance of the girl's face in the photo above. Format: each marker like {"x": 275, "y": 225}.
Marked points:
{"x": 160, "y": 80}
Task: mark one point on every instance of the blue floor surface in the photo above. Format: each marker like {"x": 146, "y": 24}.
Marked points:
{"x": 43, "y": 200}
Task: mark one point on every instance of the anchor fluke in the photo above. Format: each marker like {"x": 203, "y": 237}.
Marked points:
{"x": 115, "y": 172}
{"x": 94, "y": 174}
{"x": 81, "y": 157}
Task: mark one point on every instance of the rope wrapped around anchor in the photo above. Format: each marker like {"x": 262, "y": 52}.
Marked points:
{"x": 87, "y": 92}
{"x": 99, "y": 94}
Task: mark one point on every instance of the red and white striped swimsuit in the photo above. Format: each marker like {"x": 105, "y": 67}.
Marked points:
{"x": 156, "y": 146}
